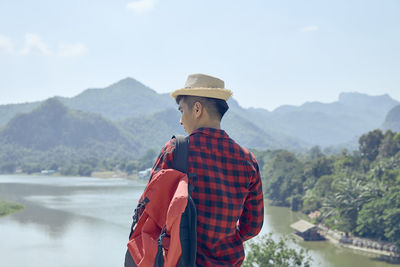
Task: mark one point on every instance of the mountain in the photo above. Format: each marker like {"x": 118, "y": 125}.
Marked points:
{"x": 332, "y": 123}
{"x": 261, "y": 131}
{"x": 124, "y": 99}
{"x": 52, "y": 125}
{"x": 392, "y": 120}
{"x": 128, "y": 101}
{"x": 153, "y": 131}
{"x": 148, "y": 114}
{"x": 7, "y": 112}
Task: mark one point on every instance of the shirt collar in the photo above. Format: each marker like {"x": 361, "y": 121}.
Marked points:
{"x": 216, "y": 133}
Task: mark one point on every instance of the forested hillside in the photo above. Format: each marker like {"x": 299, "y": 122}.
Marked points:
{"x": 52, "y": 124}
{"x": 358, "y": 192}
{"x": 54, "y": 137}
{"x": 124, "y": 99}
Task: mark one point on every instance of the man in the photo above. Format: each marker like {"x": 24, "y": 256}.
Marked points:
{"x": 227, "y": 186}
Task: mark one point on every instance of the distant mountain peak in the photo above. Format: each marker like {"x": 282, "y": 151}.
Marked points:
{"x": 127, "y": 80}
{"x": 351, "y": 97}
{"x": 52, "y": 105}
{"x": 52, "y": 101}
{"x": 129, "y": 83}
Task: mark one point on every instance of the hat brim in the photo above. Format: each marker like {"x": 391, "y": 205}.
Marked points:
{"x": 219, "y": 93}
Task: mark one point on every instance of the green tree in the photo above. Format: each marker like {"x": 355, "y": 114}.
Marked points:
{"x": 391, "y": 215}
{"x": 369, "y": 144}
{"x": 85, "y": 170}
{"x": 30, "y": 168}
{"x": 315, "y": 152}
{"x": 389, "y": 146}
{"x": 284, "y": 178}
{"x": 8, "y": 167}
{"x": 267, "y": 252}
{"x": 69, "y": 169}
{"x": 351, "y": 193}
{"x": 321, "y": 166}
{"x": 147, "y": 160}
{"x": 131, "y": 166}
{"x": 315, "y": 196}
{"x": 370, "y": 221}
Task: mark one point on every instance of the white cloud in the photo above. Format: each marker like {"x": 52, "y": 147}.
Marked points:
{"x": 71, "y": 50}
{"x": 311, "y": 28}
{"x": 141, "y": 6}
{"x": 6, "y": 45}
{"x": 34, "y": 45}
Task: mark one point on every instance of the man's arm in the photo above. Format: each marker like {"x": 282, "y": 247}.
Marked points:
{"x": 252, "y": 218}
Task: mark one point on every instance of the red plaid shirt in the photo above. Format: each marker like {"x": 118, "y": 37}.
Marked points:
{"x": 227, "y": 193}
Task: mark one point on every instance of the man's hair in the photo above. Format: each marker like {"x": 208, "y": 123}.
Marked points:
{"x": 215, "y": 107}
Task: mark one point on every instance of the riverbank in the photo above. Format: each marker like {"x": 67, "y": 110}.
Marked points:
{"x": 388, "y": 251}
{"x": 7, "y": 208}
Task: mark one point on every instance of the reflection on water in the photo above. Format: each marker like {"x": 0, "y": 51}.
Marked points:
{"x": 81, "y": 221}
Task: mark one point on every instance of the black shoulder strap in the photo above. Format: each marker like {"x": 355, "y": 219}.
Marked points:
{"x": 188, "y": 226}
{"x": 181, "y": 153}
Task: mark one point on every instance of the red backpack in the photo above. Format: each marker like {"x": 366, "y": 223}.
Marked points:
{"x": 163, "y": 231}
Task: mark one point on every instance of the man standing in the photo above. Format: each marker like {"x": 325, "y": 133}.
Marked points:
{"x": 225, "y": 177}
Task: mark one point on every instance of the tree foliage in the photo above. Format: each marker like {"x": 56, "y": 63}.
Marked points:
{"x": 267, "y": 252}
{"x": 357, "y": 192}
{"x": 285, "y": 178}
{"x": 369, "y": 144}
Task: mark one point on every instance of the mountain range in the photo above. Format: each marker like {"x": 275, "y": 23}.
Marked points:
{"x": 130, "y": 115}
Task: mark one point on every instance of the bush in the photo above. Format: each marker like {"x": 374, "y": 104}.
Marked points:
{"x": 7, "y": 208}
{"x": 268, "y": 253}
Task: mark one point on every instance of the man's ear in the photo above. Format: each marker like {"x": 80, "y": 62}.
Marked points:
{"x": 197, "y": 109}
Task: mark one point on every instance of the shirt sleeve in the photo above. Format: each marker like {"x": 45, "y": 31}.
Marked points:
{"x": 252, "y": 218}
{"x": 165, "y": 159}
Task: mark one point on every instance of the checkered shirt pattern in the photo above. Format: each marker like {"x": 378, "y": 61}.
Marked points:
{"x": 227, "y": 194}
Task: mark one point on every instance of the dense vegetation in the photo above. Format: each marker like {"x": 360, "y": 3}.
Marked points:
{"x": 358, "y": 193}
{"x": 76, "y": 162}
{"x": 266, "y": 252}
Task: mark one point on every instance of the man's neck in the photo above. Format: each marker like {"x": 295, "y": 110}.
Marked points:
{"x": 211, "y": 124}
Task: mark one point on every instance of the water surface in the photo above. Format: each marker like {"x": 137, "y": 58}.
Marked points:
{"x": 84, "y": 221}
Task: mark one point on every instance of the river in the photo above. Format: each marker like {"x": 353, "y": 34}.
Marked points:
{"x": 83, "y": 221}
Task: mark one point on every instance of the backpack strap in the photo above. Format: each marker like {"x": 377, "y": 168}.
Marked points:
{"x": 188, "y": 226}
{"x": 181, "y": 153}
{"x": 180, "y": 163}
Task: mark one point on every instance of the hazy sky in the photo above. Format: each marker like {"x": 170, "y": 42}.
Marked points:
{"x": 269, "y": 53}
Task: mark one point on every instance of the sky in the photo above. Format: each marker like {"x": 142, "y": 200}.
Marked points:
{"x": 269, "y": 53}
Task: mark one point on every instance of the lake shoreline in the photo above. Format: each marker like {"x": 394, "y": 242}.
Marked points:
{"x": 362, "y": 244}
{"x": 308, "y": 231}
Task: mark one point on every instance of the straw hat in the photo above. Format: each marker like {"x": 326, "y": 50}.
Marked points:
{"x": 205, "y": 86}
